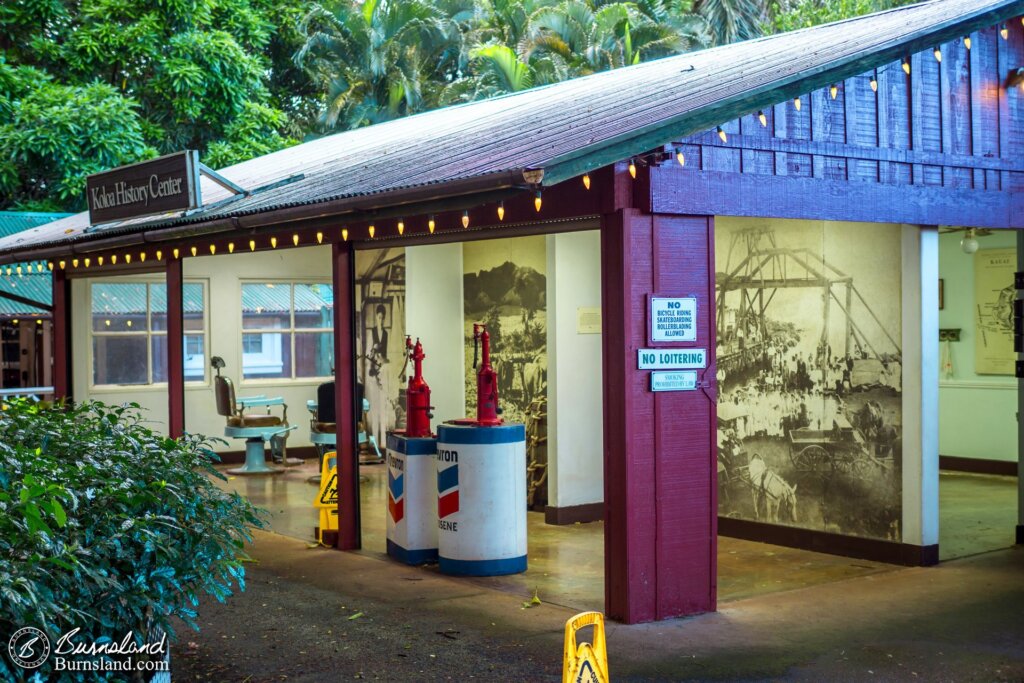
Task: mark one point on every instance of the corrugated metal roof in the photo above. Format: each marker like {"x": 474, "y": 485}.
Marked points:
{"x": 129, "y": 298}
{"x": 38, "y": 286}
{"x": 564, "y": 128}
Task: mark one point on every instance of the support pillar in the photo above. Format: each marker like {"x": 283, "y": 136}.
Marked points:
{"x": 660, "y": 449}
{"x": 343, "y": 267}
{"x": 62, "y": 387}
{"x": 175, "y": 348}
{"x": 1020, "y": 409}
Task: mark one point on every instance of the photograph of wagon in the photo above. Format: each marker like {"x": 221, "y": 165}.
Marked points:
{"x": 848, "y": 449}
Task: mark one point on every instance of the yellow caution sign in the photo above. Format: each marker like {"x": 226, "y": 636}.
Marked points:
{"x": 327, "y": 497}
{"x": 585, "y": 662}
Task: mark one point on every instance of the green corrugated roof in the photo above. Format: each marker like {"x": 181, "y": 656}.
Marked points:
{"x": 129, "y": 298}
{"x": 36, "y": 286}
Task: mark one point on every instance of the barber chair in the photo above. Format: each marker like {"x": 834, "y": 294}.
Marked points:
{"x": 323, "y": 428}
{"x": 256, "y": 429}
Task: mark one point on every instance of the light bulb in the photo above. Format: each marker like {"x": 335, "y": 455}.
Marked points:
{"x": 763, "y": 119}
{"x": 874, "y": 84}
{"x": 372, "y": 230}
{"x": 113, "y": 259}
{"x": 74, "y": 264}
{"x": 49, "y": 265}
{"x": 159, "y": 255}
{"x": 127, "y": 258}
{"x": 938, "y": 54}
{"x": 431, "y": 224}
{"x": 969, "y": 244}
{"x": 967, "y": 42}
{"x": 680, "y": 157}
{"x": 213, "y": 250}
{"x": 586, "y": 180}
{"x": 231, "y": 248}
{"x": 796, "y": 103}
{"x": 62, "y": 264}
{"x": 194, "y": 250}
{"x": 295, "y": 239}
{"x": 252, "y": 245}
{"x": 465, "y": 219}
{"x": 401, "y": 227}
{"x": 833, "y": 91}
{"x": 273, "y": 243}
{"x": 632, "y": 169}
{"x": 142, "y": 256}
{"x": 39, "y": 267}
{"x": 906, "y": 65}
{"x": 501, "y": 211}
{"x": 1004, "y": 31}
{"x": 99, "y": 260}
{"x": 722, "y": 135}
{"x": 537, "y": 201}
{"x": 319, "y": 238}
{"x": 344, "y": 234}
{"x": 177, "y": 252}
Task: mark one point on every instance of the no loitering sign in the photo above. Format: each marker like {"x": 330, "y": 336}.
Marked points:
{"x": 671, "y": 359}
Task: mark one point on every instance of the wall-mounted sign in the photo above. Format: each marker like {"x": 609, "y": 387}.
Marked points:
{"x": 685, "y": 380}
{"x": 673, "y": 320}
{"x": 170, "y": 183}
{"x": 671, "y": 359}
{"x": 588, "y": 320}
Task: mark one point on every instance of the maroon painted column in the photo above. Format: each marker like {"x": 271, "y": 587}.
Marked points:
{"x": 62, "y": 378}
{"x": 349, "y": 537}
{"x": 660, "y": 449}
{"x": 175, "y": 348}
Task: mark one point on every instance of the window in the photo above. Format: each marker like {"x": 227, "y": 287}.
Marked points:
{"x": 129, "y": 333}
{"x": 287, "y": 330}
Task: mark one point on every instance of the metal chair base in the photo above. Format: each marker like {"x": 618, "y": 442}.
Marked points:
{"x": 255, "y": 460}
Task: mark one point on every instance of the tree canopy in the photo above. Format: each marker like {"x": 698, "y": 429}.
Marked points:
{"x": 87, "y": 85}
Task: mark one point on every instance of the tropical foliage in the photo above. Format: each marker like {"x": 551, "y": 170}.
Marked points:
{"x": 107, "y": 526}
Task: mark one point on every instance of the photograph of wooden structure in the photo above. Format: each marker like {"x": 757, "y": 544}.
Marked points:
{"x": 654, "y": 154}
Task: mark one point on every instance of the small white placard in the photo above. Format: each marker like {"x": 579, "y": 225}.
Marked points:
{"x": 671, "y": 359}
{"x": 673, "y": 320}
{"x": 685, "y": 380}
{"x": 588, "y": 320}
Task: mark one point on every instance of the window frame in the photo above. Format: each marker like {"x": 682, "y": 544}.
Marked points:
{"x": 148, "y": 334}
{"x": 291, "y": 330}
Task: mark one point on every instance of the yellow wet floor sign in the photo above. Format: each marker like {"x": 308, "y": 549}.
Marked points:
{"x": 327, "y": 497}
{"x": 585, "y": 662}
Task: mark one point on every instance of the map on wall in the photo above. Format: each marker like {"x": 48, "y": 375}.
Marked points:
{"x": 993, "y": 300}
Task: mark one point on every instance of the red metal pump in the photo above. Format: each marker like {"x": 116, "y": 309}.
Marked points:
{"x": 487, "y": 409}
{"x": 417, "y": 397}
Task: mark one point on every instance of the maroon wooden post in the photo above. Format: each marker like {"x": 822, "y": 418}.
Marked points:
{"x": 175, "y": 349}
{"x": 660, "y": 449}
{"x": 349, "y": 537}
{"x": 62, "y": 384}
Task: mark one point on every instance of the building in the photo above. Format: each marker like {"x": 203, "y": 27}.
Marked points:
{"x": 788, "y": 192}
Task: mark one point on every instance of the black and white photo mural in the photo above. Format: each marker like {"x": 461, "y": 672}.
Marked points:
{"x": 810, "y": 374}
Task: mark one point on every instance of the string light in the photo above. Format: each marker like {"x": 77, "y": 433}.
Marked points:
{"x": 967, "y": 42}
{"x": 252, "y": 245}
{"x": 537, "y": 201}
{"x": 49, "y": 265}
{"x": 295, "y": 239}
{"x": 632, "y": 168}
{"x": 874, "y": 84}
{"x": 1004, "y": 31}
{"x": 194, "y": 250}
{"x": 586, "y": 180}
{"x": 127, "y": 258}
{"x": 319, "y": 238}
{"x": 344, "y": 234}
{"x": 763, "y": 119}
{"x": 159, "y": 255}
{"x": 113, "y": 259}
{"x": 465, "y": 219}
{"x": 501, "y": 211}
{"x": 142, "y": 256}
{"x": 906, "y": 65}
{"x": 431, "y": 224}
{"x": 372, "y": 230}
{"x": 722, "y": 135}
{"x": 796, "y": 103}
{"x": 99, "y": 260}
{"x": 680, "y": 157}
{"x": 39, "y": 267}
{"x": 62, "y": 264}
{"x": 18, "y": 269}
{"x": 401, "y": 227}
{"x": 273, "y": 243}
{"x": 213, "y": 250}
{"x": 833, "y": 91}
{"x": 177, "y": 252}
{"x": 74, "y": 264}
{"x": 938, "y": 54}
{"x": 231, "y": 247}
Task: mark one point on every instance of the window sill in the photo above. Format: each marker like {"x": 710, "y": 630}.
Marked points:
{"x": 145, "y": 388}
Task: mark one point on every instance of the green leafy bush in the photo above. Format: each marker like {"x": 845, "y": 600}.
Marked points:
{"x": 108, "y": 526}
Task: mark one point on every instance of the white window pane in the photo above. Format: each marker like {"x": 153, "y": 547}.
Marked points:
{"x": 119, "y": 307}
{"x": 266, "y": 306}
{"x": 314, "y": 306}
{"x": 274, "y": 358}
{"x": 119, "y": 360}
{"x": 195, "y": 358}
{"x": 194, "y": 306}
{"x": 314, "y": 354}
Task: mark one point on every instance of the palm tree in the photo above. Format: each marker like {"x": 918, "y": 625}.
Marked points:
{"x": 381, "y": 59}
{"x": 732, "y": 20}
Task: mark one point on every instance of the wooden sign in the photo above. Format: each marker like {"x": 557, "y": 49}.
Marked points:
{"x": 170, "y": 183}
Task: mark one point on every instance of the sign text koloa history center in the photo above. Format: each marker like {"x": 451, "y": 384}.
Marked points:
{"x": 162, "y": 185}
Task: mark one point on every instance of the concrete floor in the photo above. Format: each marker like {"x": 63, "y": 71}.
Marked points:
{"x": 977, "y": 513}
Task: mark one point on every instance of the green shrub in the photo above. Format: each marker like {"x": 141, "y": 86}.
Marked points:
{"x": 108, "y": 526}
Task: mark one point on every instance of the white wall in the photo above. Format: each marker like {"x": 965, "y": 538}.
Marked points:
{"x": 434, "y": 313}
{"x": 575, "y": 447}
{"x": 977, "y": 413}
{"x": 224, "y": 318}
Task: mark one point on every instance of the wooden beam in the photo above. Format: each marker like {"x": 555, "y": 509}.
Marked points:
{"x": 175, "y": 349}
{"x": 343, "y": 266}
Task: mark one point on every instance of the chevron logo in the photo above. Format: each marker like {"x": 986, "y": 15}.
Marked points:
{"x": 448, "y": 491}
{"x": 396, "y": 495}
